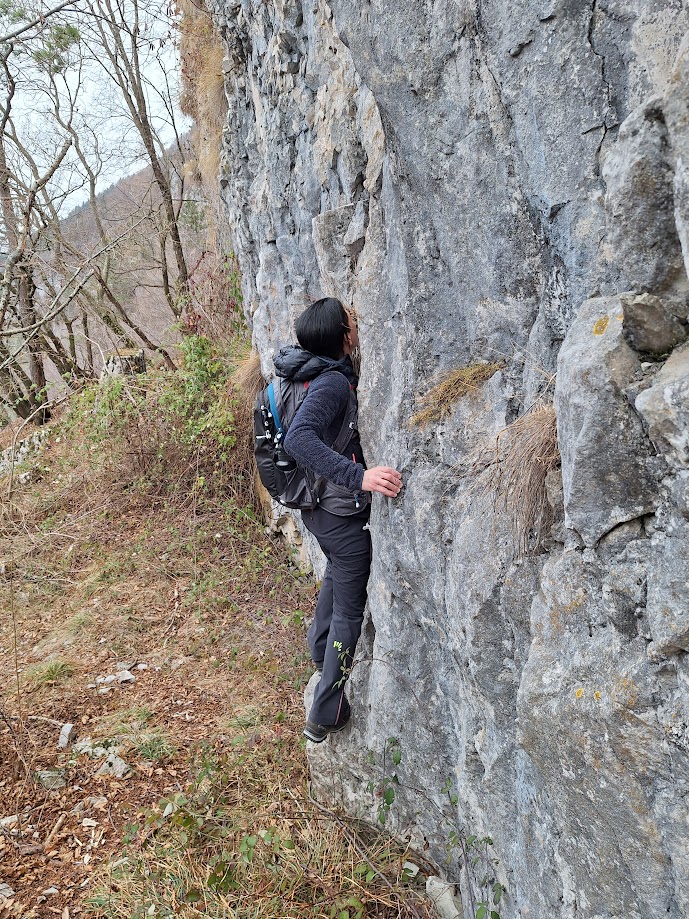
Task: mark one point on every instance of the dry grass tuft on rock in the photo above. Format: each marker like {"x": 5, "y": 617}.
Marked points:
{"x": 512, "y": 471}
{"x": 439, "y": 401}
{"x": 248, "y": 377}
{"x": 203, "y": 89}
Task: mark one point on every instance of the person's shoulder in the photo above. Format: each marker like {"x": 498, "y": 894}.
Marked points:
{"x": 331, "y": 381}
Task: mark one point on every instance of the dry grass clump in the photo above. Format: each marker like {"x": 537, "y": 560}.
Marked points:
{"x": 48, "y": 672}
{"x": 247, "y": 376}
{"x": 203, "y": 89}
{"x": 439, "y": 401}
{"x": 513, "y": 471}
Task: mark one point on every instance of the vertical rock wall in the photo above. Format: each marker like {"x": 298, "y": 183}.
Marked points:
{"x": 493, "y": 181}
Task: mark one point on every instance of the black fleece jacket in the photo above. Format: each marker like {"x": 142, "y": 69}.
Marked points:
{"x": 318, "y": 422}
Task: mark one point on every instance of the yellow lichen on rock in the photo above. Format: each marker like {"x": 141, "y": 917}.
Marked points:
{"x": 601, "y": 325}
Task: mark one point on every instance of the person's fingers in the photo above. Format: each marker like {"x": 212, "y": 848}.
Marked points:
{"x": 383, "y": 479}
{"x": 389, "y": 482}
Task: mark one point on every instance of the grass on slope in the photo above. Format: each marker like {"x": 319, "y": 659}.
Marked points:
{"x": 137, "y": 545}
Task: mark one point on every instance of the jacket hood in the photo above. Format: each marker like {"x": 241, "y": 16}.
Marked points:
{"x": 294, "y": 363}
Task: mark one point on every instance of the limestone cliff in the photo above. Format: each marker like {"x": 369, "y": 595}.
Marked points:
{"x": 493, "y": 181}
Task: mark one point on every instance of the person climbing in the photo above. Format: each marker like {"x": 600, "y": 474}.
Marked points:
{"x": 327, "y": 337}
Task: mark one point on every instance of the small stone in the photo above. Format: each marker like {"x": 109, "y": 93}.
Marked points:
{"x": 442, "y": 895}
{"x": 410, "y": 870}
{"x": 88, "y": 823}
{"x": 49, "y": 892}
{"x": 6, "y": 892}
{"x": 91, "y": 685}
{"x": 104, "y": 690}
{"x": 52, "y": 779}
{"x": 10, "y": 821}
{"x": 67, "y": 735}
{"x": 125, "y": 676}
{"x": 85, "y": 745}
{"x": 114, "y": 766}
{"x": 142, "y": 666}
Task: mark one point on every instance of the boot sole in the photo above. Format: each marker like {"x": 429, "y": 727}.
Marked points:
{"x": 335, "y": 729}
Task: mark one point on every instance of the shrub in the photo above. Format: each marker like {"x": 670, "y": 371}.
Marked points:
{"x": 185, "y": 430}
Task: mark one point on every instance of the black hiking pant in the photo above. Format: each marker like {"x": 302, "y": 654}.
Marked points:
{"x": 336, "y": 627}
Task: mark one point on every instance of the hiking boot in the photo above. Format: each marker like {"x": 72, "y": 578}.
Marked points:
{"x": 318, "y": 665}
{"x": 317, "y": 733}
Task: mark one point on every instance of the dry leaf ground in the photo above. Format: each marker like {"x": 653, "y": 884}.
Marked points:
{"x": 98, "y": 573}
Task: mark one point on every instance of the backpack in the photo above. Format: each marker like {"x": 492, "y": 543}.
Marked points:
{"x": 274, "y": 410}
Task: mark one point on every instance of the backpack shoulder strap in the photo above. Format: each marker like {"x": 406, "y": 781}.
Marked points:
{"x": 349, "y": 421}
{"x": 288, "y": 396}
{"x": 272, "y": 400}
{"x": 281, "y": 407}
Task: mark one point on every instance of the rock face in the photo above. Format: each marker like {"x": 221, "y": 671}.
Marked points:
{"x": 491, "y": 181}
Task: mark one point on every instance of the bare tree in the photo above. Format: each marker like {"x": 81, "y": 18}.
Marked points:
{"x": 61, "y": 291}
{"x": 128, "y": 47}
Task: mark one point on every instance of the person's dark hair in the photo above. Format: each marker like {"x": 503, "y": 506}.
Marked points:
{"x": 321, "y": 328}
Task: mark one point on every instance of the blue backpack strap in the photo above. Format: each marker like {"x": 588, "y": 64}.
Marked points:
{"x": 274, "y": 409}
